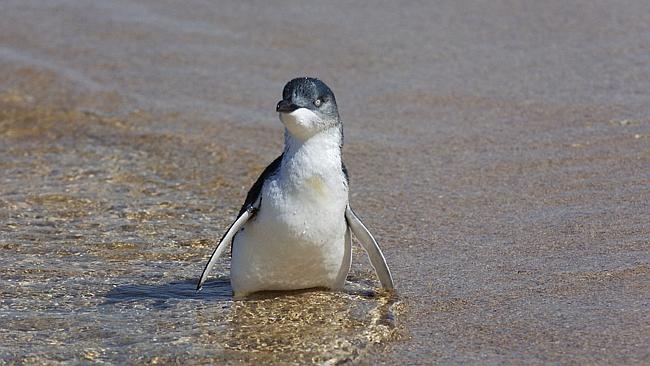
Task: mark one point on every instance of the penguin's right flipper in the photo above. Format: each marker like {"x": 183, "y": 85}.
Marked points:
{"x": 248, "y": 210}
{"x": 372, "y": 248}
{"x": 227, "y": 238}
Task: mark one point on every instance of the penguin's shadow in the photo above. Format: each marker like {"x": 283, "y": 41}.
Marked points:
{"x": 215, "y": 290}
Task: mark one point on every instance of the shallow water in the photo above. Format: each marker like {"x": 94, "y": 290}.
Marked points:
{"x": 499, "y": 151}
{"x": 104, "y": 239}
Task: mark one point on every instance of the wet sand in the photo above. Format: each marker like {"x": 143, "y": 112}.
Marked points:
{"x": 499, "y": 151}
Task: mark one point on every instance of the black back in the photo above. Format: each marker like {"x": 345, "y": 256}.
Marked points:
{"x": 256, "y": 189}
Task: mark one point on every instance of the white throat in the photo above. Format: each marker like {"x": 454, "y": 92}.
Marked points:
{"x": 319, "y": 155}
{"x": 304, "y": 123}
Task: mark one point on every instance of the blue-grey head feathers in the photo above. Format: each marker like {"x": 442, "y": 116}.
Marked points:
{"x": 310, "y": 93}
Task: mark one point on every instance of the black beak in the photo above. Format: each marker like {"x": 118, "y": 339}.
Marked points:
{"x": 285, "y": 106}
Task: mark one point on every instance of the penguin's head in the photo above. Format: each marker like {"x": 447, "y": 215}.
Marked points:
{"x": 307, "y": 107}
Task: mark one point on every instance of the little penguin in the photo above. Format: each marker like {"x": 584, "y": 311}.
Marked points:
{"x": 294, "y": 230}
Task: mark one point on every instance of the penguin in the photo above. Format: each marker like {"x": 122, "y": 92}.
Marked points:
{"x": 294, "y": 230}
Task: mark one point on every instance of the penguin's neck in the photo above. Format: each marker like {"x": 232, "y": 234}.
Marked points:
{"x": 318, "y": 156}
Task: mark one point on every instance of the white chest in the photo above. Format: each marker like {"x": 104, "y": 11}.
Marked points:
{"x": 309, "y": 207}
{"x": 297, "y": 238}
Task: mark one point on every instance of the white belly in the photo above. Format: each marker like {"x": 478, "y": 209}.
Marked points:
{"x": 298, "y": 239}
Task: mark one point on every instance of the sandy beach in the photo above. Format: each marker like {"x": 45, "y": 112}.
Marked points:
{"x": 499, "y": 151}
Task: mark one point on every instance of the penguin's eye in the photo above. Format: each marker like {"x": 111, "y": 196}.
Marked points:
{"x": 318, "y": 102}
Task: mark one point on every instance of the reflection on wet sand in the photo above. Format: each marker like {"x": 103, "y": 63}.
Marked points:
{"x": 278, "y": 327}
{"x": 309, "y": 326}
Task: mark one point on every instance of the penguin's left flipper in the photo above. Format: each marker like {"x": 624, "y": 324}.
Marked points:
{"x": 369, "y": 243}
{"x": 227, "y": 238}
